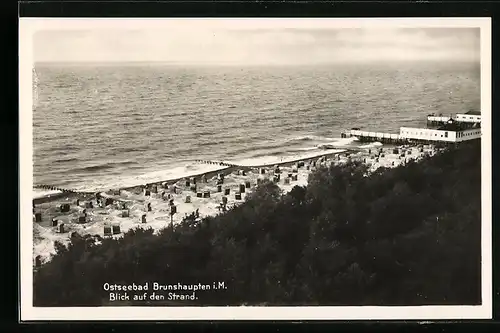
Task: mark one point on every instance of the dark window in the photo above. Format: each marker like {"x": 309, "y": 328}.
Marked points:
{"x": 445, "y": 134}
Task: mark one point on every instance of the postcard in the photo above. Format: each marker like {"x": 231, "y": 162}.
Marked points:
{"x": 255, "y": 169}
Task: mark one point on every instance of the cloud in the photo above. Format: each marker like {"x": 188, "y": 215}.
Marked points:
{"x": 258, "y": 46}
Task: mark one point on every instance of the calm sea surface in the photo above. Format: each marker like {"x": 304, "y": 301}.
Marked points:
{"x": 101, "y": 125}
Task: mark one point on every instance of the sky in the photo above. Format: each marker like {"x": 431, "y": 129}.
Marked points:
{"x": 253, "y": 45}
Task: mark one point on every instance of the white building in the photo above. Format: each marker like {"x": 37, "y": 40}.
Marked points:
{"x": 458, "y": 128}
{"x": 462, "y": 127}
{"x": 470, "y": 117}
{"x": 441, "y": 135}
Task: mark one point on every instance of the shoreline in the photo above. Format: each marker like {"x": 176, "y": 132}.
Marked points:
{"x": 223, "y": 169}
{"x": 157, "y": 214}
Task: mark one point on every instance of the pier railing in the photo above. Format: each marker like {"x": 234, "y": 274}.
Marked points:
{"x": 372, "y": 136}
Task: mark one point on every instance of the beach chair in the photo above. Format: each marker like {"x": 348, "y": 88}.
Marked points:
{"x": 64, "y": 208}
{"x": 116, "y": 229}
{"x": 38, "y": 217}
{"x": 107, "y": 230}
{"x": 38, "y": 261}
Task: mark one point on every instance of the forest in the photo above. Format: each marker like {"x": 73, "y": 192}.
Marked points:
{"x": 409, "y": 235}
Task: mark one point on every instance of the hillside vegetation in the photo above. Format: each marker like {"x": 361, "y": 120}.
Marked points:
{"x": 410, "y": 235}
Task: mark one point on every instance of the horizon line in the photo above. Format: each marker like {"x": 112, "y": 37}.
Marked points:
{"x": 182, "y": 62}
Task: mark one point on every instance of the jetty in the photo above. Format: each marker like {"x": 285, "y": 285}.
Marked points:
{"x": 440, "y": 129}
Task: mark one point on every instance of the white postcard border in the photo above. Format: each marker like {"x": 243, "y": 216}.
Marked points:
{"x": 28, "y": 26}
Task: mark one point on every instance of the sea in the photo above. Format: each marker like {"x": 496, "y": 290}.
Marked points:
{"x": 108, "y": 125}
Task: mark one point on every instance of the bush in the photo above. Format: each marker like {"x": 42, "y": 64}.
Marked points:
{"x": 404, "y": 236}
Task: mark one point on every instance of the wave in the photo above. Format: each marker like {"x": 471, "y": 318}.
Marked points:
{"x": 307, "y": 148}
{"x": 68, "y": 159}
{"x": 177, "y": 172}
{"x": 103, "y": 166}
{"x": 130, "y": 149}
{"x": 275, "y": 159}
{"x": 62, "y": 85}
{"x": 188, "y": 170}
{"x": 327, "y": 146}
{"x": 346, "y": 141}
{"x": 64, "y": 148}
{"x": 311, "y": 138}
{"x": 268, "y": 147}
{"x": 372, "y": 145}
{"x": 338, "y": 143}
{"x": 39, "y": 193}
{"x": 261, "y": 148}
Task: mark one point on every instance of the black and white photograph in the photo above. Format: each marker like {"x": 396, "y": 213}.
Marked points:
{"x": 255, "y": 168}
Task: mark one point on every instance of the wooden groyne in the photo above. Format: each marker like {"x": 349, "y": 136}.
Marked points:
{"x": 217, "y": 163}
{"x": 63, "y": 193}
{"x": 54, "y": 188}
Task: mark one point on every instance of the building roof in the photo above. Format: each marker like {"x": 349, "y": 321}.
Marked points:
{"x": 475, "y": 113}
{"x": 451, "y": 126}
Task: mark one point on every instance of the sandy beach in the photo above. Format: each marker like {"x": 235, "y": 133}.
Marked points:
{"x": 149, "y": 205}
